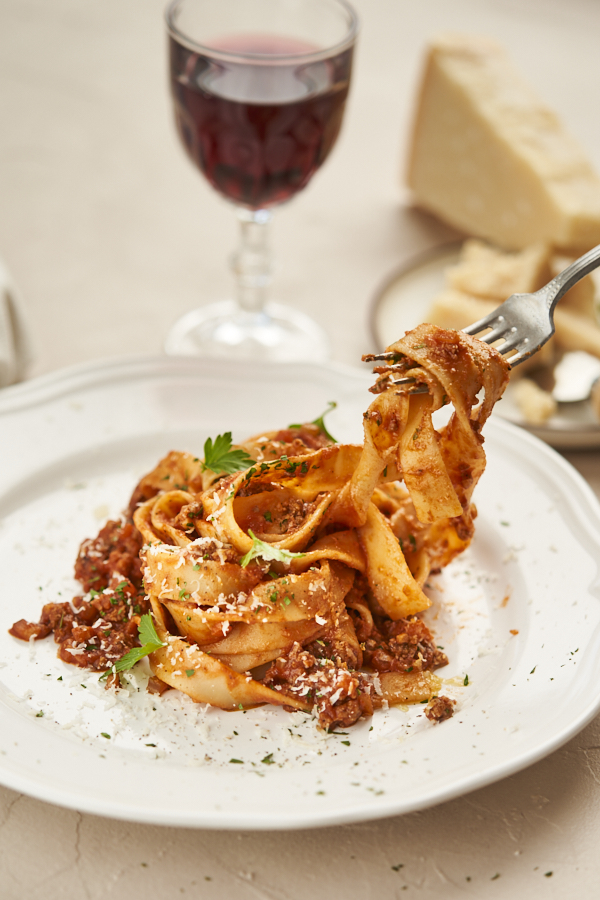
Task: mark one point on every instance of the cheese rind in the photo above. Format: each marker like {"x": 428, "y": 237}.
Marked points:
{"x": 491, "y": 159}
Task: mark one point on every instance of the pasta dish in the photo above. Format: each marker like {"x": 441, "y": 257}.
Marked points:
{"x": 290, "y": 569}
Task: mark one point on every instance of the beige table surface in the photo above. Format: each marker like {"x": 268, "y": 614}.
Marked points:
{"x": 110, "y": 235}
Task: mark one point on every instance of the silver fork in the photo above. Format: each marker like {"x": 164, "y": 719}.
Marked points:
{"x": 524, "y": 322}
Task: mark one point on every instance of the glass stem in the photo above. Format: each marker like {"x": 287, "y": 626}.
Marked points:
{"x": 251, "y": 263}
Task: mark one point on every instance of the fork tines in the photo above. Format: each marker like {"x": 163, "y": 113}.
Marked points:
{"x": 500, "y": 329}
{"x": 380, "y": 357}
{"x": 524, "y": 322}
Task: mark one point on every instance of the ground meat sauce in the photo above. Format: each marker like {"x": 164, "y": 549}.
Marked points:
{"x": 115, "y": 549}
{"x": 440, "y": 708}
{"x": 307, "y": 436}
{"x": 95, "y": 630}
{"x": 340, "y": 697}
{"x": 293, "y": 441}
{"x": 406, "y": 645}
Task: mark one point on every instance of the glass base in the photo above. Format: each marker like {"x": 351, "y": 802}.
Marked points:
{"x": 224, "y": 331}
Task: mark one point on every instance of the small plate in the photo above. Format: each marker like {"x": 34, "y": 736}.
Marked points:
{"x": 521, "y": 627}
{"x": 403, "y": 302}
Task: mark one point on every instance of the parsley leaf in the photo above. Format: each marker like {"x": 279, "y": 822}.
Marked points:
{"x": 147, "y": 631}
{"x": 320, "y": 423}
{"x": 221, "y": 459}
{"x": 150, "y": 642}
{"x": 266, "y": 551}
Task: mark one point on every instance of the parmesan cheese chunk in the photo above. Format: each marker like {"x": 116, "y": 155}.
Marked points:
{"x": 487, "y": 272}
{"x": 488, "y": 157}
{"x": 536, "y": 405}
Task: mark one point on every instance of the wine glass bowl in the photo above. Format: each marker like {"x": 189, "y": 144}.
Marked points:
{"x": 259, "y": 89}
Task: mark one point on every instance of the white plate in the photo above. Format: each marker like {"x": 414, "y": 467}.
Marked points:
{"x": 403, "y": 302}
{"x": 74, "y": 444}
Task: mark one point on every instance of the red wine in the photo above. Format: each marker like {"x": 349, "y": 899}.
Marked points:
{"x": 258, "y": 128}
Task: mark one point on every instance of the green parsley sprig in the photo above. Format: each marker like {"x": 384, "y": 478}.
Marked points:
{"x": 221, "y": 459}
{"x": 320, "y": 422}
{"x": 267, "y": 551}
{"x": 150, "y": 642}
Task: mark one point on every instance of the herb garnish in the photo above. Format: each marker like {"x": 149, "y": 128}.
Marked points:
{"x": 221, "y": 459}
{"x": 150, "y": 642}
{"x": 320, "y": 423}
{"x": 266, "y": 551}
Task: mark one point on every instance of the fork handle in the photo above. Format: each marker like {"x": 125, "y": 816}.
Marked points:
{"x": 578, "y": 269}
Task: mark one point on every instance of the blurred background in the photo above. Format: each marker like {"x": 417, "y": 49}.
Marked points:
{"x": 109, "y": 232}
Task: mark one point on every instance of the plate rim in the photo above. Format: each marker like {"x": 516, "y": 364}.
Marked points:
{"x": 81, "y": 376}
{"x": 15, "y": 397}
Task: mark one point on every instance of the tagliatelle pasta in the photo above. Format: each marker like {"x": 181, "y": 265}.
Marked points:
{"x": 292, "y": 571}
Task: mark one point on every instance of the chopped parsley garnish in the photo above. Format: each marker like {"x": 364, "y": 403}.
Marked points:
{"x": 221, "y": 459}
{"x": 266, "y": 551}
{"x": 268, "y": 760}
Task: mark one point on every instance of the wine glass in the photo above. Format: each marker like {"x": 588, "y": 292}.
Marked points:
{"x": 259, "y": 89}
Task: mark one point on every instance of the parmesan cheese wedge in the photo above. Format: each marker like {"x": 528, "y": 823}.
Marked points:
{"x": 488, "y": 157}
